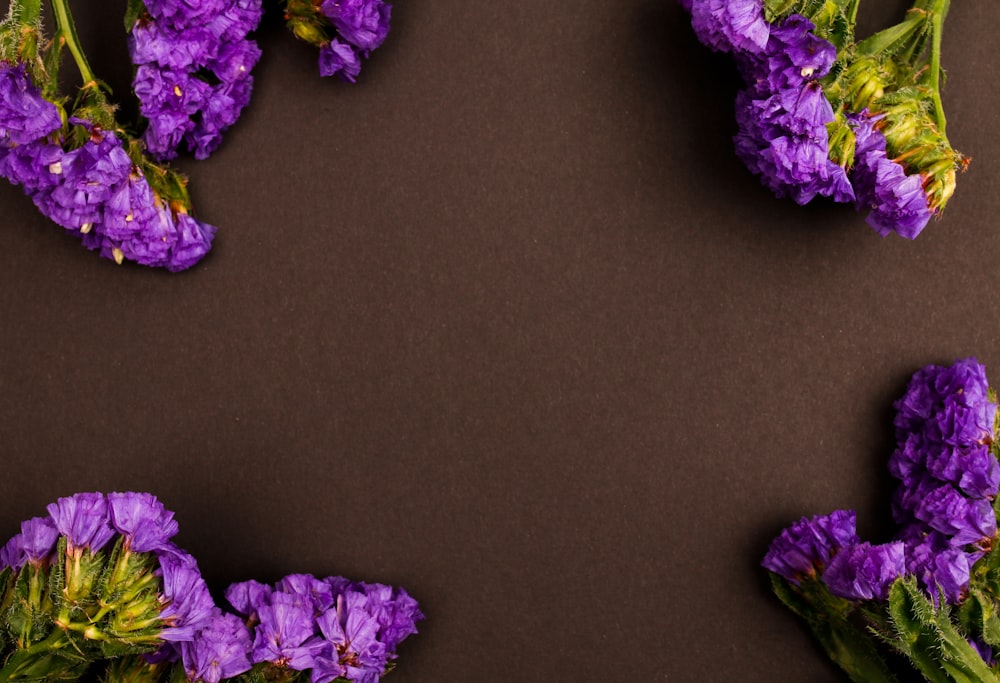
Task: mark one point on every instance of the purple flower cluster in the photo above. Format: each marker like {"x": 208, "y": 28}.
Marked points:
{"x": 94, "y": 191}
{"x": 362, "y": 25}
{"x": 804, "y": 549}
{"x": 782, "y": 115}
{"x": 948, "y": 474}
{"x": 897, "y": 202}
{"x": 828, "y": 546}
{"x": 194, "y": 70}
{"x": 328, "y": 629}
{"x": 332, "y": 627}
{"x": 782, "y": 118}
{"x": 89, "y": 522}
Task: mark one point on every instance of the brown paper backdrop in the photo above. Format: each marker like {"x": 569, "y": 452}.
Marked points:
{"x": 508, "y": 324}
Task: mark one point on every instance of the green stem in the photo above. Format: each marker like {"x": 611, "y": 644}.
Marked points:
{"x": 66, "y": 30}
{"x": 937, "y": 21}
{"x": 20, "y": 659}
{"x": 852, "y": 12}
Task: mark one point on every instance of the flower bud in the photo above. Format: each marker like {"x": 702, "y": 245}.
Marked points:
{"x": 308, "y": 31}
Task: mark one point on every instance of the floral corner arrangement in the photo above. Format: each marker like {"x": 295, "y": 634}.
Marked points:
{"x": 106, "y": 181}
{"x": 825, "y": 113}
{"x": 97, "y": 590}
{"x": 927, "y": 602}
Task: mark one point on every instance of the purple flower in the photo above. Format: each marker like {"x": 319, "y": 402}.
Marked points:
{"x": 247, "y": 597}
{"x": 25, "y": 116}
{"x": 725, "y": 25}
{"x": 187, "y": 604}
{"x": 865, "y": 571}
{"x": 194, "y": 239}
{"x": 35, "y": 544}
{"x": 782, "y": 116}
{"x": 240, "y": 18}
{"x": 807, "y": 546}
{"x": 789, "y": 153}
{"x": 36, "y": 166}
{"x": 973, "y": 469}
{"x": 129, "y": 206}
{"x": 965, "y": 520}
{"x": 168, "y": 99}
{"x": 353, "y": 649}
{"x": 142, "y": 520}
{"x": 938, "y": 566}
{"x": 897, "y": 201}
{"x": 12, "y": 554}
{"x": 87, "y": 177}
{"x": 312, "y": 593}
{"x": 151, "y": 42}
{"x": 38, "y": 539}
{"x": 193, "y": 79}
{"x": 396, "y": 612}
{"x": 362, "y": 23}
{"x": 185, "y": 14}
{"x": 219, "y": 650}
{"x": 83, "y": 519}
{"x": 285, "y": 633}
{"x": 341, "y": 59}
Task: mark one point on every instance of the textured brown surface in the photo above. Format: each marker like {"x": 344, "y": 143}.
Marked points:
{"x": 506, "y": 323}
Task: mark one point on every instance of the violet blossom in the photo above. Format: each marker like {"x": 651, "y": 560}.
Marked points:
{"x": 896, "y": 201}
{"x": 194, "y": 71}
{"x": 806, "y": 547}
{"x": 865, "y": 571}
{"x": 219, "y": 650}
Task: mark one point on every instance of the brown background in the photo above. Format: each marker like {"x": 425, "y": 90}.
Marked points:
{"x": 508, "y": 324}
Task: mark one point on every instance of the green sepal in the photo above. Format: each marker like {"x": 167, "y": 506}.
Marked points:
{"x": 29, "y": 618}
{"x": 134, "y": 10}
{"x": 977, "y": 615}
{"x": 929, "y": 639}
{"x": 850, "y": 646}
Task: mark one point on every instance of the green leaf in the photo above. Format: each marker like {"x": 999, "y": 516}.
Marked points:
{"x": 851, "y": 647}
{"x": 927, "y": 636}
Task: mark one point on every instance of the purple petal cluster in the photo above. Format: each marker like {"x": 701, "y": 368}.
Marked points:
{"x": 332, "y": 627}
{"x": 94, "y": 190}
{"x": 805, "y": 548}
{"x": 25, "y": 116}
{"x": 218, "y": 651}
{"x": 193, "y": 75}
{"x": 187, "y": 605}
{"x": 727, "y": 25}
{"x": 143, "y": 520}
{"x": 96, "y": 193}
{"x": 948, "y": 474}
{"x": 865, "y": 571}
{"x": 362, "y": 26}
{"x": 896, "y": 201}
{"x": 35, "y": 544}
{"x": 782, "y": 115}
{"x": 91, "y": 522}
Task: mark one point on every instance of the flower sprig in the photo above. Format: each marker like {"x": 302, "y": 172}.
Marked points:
{"x": 932, "y": 594}
{"x": 826, "y": 114}
{"x": 97, "y": 587}
{"x": 105, "y": 181}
